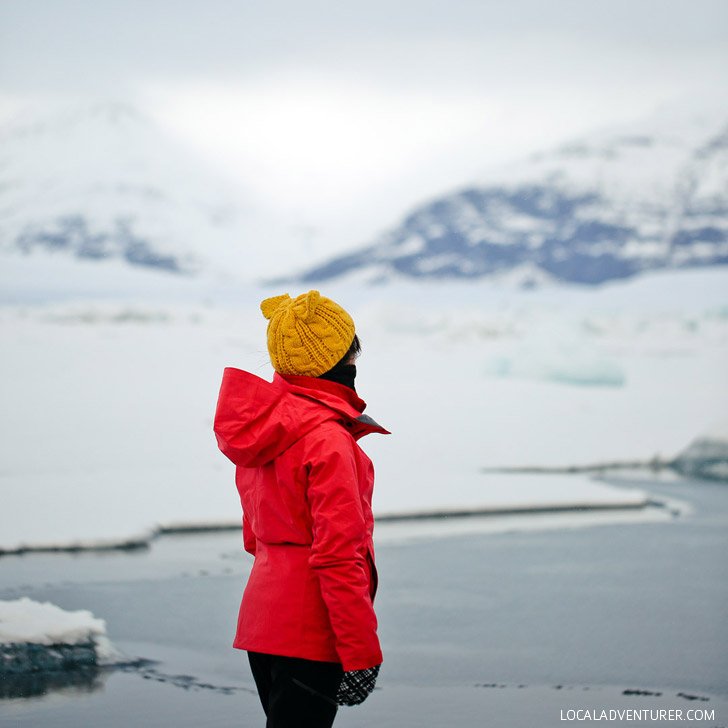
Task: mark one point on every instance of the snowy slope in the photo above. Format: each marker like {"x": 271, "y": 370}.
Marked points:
{"x": 654, "y": 195}
{"x": 101, "y": 182}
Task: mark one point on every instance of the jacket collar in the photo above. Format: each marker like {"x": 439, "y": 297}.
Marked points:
{"x": 321, "y": 389}
{"x": 335, "y": 396}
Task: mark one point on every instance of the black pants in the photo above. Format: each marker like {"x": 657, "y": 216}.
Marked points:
{"x": 296, "y": 693}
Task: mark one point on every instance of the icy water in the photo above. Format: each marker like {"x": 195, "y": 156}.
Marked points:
{"x": 505, "y": 629}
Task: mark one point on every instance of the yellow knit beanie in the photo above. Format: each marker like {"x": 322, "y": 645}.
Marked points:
{"x": 307, "y": 335}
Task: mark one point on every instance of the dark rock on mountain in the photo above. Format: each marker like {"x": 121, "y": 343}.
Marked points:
{"x": 607, "y": 208}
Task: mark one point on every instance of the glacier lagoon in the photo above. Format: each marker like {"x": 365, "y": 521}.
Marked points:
{"x": 108, "y": 421}
{"x": 510, "y": 626}
{"x": 108, "y": 403}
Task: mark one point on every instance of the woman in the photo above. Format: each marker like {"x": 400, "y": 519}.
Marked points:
{"x": 306, "y": 617}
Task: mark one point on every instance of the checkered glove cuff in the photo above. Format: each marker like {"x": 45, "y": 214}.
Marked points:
{"x": 356, "y": 685}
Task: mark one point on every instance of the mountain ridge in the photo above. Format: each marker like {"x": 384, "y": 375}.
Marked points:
{"x": 602, "y": 208}
{"x": 101, "y": 181}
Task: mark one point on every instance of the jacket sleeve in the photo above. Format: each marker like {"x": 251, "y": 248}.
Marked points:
{"x": 337, "y": 551}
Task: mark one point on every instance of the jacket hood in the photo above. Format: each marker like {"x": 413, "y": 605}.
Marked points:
{"x": 257, "y": 420}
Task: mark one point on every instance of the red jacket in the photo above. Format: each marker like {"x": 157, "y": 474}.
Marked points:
{"x": 306, "y": 489}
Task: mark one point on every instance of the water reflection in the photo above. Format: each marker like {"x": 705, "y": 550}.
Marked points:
{"x": 36, "y": 684}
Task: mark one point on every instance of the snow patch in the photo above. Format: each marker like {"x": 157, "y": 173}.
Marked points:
{"x": 25, "y": 621}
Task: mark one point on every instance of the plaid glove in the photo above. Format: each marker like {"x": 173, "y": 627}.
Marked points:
{"x": 356, "y": 685}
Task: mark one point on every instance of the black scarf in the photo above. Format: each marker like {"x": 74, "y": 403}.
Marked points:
{"x": 342, "y": 374}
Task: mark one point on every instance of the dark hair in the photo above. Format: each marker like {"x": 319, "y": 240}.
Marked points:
{"x": 354, "y": 349}
{"x": 343, "y": 372}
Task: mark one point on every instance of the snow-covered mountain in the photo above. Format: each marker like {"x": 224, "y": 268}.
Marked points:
{"x": 609, "y": 206}
{"x": 100, "y": 181}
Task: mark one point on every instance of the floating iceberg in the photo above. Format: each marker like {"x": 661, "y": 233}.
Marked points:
{"x": 41, "y": 637}
{"x": 706, "y": 456}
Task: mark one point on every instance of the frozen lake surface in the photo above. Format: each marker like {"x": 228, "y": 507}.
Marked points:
{"x": 500, "y": 628}
{"x": 108, "y": 405}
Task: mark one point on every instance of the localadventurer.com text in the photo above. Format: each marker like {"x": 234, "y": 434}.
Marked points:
{"x": 676, "y": 714}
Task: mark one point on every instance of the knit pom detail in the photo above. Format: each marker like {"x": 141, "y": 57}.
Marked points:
{"x": 271, "y": 305}
{"x": 311, "y": 300}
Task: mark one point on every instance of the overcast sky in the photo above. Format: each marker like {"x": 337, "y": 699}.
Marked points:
{"x": 342, "y": 113}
